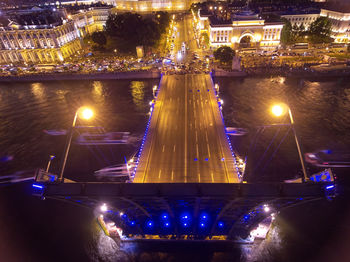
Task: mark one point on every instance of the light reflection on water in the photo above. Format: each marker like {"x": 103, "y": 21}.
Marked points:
{"x": 137, "y": 91}
{"x": 320, "y": 110}
{"x": 29, "y": 108}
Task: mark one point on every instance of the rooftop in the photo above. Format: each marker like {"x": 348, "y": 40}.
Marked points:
{"x": 35, "y": 17}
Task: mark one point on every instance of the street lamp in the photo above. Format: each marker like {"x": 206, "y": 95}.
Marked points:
{"x": 279, "y": 110}
{"x": 82, "y": 112}
{"x": 49, "y": 163}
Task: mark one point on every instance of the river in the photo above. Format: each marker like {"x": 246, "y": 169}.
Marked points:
{"x": 320, "y": 109}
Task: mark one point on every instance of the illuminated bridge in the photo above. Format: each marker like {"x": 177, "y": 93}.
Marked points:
{"x": 186, "y": 183}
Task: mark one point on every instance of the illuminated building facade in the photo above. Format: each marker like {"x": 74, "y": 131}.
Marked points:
{"x": 244, "y": 30}
{"x": 340, "y": 25}
{"x": 153, "y": 5}
{"x": 302, "y": 18}
{"x": 340, "y": 22}
{"x": 35, "y": 42}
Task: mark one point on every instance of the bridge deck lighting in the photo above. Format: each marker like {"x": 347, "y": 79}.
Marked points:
{"x": 221, "y": 224}
{"x": 37, "y": 186}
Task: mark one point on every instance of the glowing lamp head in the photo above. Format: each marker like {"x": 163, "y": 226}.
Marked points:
{"x": 103, "y": 207}
{"x": 277, "y": 110}
{"x": 86, "y": 113}
{"x": 266, "y": 208}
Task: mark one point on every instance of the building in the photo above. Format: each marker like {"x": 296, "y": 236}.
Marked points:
{"x": 340, "y": 20}
{"x": 45, "y": 35}
{"x": 244, "y": 29}
{"x": 340, "y": 24}
{"x": 304, "y": 18}
{"x": 145, "y": 6}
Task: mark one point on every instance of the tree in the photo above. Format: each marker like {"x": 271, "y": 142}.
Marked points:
{"x": 224, "y": 54}
{"x": 99, "y": 38}
{"x": 287, "y": 32}
{"x": 320, "y": 31}
{"x": 130, "y": 30}
{"x": 163, "y": 20}
{"x": 205, "y": 38}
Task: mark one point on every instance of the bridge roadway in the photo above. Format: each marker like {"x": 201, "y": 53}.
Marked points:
{"x": 186, "y": 141}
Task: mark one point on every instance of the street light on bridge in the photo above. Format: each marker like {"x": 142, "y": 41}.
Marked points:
{"x": 279, "y": 110}
{"x": 84, "y": 113}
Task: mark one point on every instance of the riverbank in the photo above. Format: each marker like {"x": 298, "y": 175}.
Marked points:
{"x": 307, "y": 72}
{"x": 256, "y": 72}
{"x": 82, "y": 76}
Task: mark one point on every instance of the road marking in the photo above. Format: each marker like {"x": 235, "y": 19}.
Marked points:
{"x": 197, "y": 150}
{"x": 196, "y": 137}
{"x": 160, "y": 171}
{"x": 212, "y": 177}
{"x": 170, "y": 99}
{"x": 172, "y": 175}
{"x": 208, "y": 150}
{"x": 163, "y": 148}
{"x": 199, "y": 177}
{"x": 206, "y": 136}
{"x": 174, "y": 148}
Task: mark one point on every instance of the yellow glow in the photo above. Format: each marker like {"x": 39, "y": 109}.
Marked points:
{"x": 86, "y": 113}
{"x": 277, "y": 110}
{"x": 257, "y": 37}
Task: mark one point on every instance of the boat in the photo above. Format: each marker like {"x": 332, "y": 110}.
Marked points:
{"x": 115, "y": 172}
{"x": 328, "y": 158}
{"x": 236, "y": 131}
{"x": 103, "y": 138}
{"x": 55, "y": 132}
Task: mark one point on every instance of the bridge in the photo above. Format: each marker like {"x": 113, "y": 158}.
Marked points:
{"x": 186, "y": 140}
{"x": 186, "y": 184}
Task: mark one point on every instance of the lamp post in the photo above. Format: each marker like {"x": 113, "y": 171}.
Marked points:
{"x": 49, "y": 163}
{"x": 85, "y": 113}
{"x": 279, "y": 110}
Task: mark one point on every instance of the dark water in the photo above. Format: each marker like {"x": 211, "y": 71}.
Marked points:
{"x": 34, "y": 230}
{"x": 26, "y": 109}
{"x": 321, "y": 111}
